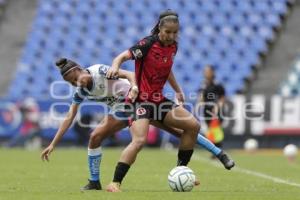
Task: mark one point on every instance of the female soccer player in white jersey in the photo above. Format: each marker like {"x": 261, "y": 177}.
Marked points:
{"x": 92, "y": 84}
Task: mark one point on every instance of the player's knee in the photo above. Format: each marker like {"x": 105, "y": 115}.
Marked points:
{"x": 192, "y": 127}
{"x": 95, "y": 138}
{"x": 139, "y": 143}
{"x": 195, "y": 126}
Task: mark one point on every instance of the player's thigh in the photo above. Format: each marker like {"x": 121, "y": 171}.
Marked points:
{"x": 139, "y": 129}
{"x": 109, "y": 125}
{"x": 180, "y": 118}
{"x": 174, "y": 131}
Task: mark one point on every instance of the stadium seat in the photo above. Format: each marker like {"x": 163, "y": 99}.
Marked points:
{"x": 229, "y": 34}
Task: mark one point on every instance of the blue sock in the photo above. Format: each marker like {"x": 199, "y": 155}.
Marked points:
{"x": 208, "y": 145}
{"x": 94, "y": 159}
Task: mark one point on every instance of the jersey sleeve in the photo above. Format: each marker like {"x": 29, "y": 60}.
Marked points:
{"x": 78, "y": 96}
{"x": 140, "y": 49}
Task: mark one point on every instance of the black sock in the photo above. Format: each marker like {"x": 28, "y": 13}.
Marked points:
{"x": 120, "y": 171}
{"x": 184, "y": 157}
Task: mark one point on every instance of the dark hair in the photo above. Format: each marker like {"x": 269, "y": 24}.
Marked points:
{"x": 212, "y": 68}
{"x": 65, "y": 65}
{"x": 165, "y": 16}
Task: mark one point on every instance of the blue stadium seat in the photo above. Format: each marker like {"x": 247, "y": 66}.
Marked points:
{"x": 280, "y": 7}
{"x": 228, "y": 34}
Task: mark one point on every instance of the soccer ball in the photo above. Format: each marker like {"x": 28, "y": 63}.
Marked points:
{"x": 251, "y": 145}
{"x": 181, "y": 179}
{"x": 290, "y": 151}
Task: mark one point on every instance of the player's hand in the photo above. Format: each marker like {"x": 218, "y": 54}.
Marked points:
{"x": 180, "y": 98}
{"x": 133, "y": 94}
{"x": 46, "y": 153}
{"x": 113, "y": 72}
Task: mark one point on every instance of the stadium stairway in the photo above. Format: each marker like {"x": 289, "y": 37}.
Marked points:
{"x": 13, "y": 33}
{"x": 280, "y": 59}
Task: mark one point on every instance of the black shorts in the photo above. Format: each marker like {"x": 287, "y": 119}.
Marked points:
{"x": 158, "y": 112}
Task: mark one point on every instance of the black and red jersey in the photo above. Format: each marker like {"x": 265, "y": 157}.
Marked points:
{"x": 153, "y": 63}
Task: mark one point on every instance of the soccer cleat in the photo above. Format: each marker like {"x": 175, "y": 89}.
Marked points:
{"x": 92, "y": 185}
{"x": 197, "y": 182}
{"x": 225, "y": 160}
{"x": 113, "y": 187}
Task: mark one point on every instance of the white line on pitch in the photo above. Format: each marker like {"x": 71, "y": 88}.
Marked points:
{"x": 250, "y": 172}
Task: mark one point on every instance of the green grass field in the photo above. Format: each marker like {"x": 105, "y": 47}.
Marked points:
{"x": 25, "y": 176}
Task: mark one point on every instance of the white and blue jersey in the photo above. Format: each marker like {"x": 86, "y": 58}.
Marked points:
{"x": 108, "y": 91}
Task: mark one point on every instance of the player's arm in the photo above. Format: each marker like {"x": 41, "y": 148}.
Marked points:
{"x": 222, "y": 97}
{"x": 136, "y": 52}
{"x": 134, "y": 90}
{"x": 129, "y": 76}
{"x": 61, "y": 131}
{"x": 176, "y": 88}
{"x": 65, "y": 124}
{"x": 200, "y": 98}
{"x": 115, "y": 66}
{"x": 221, "y": 101}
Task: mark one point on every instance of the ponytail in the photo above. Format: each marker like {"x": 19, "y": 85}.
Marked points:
{"x": 65, "y": 66}
{"x": 155, "y": 29}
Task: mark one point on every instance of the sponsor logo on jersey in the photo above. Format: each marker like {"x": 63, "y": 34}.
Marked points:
{"x": 141, "y": 111}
